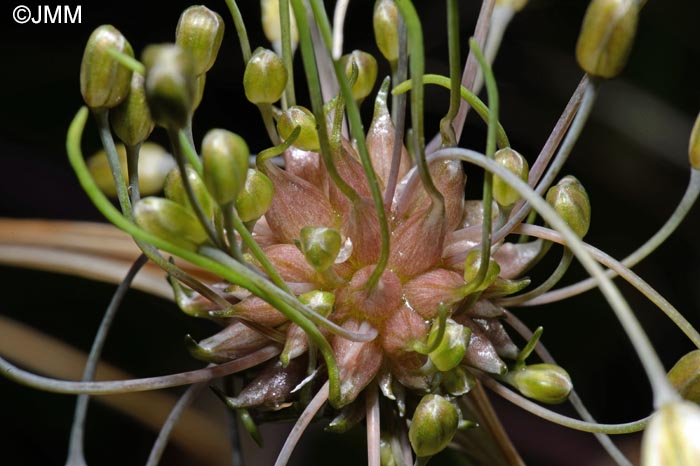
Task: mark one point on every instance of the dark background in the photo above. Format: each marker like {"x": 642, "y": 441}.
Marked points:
{"x": 631, "y": 158}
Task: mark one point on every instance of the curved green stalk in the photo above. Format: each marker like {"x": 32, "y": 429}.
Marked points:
{"x": 102, "y": 118}
{"x": 287, "y": 53}
{"x": 128, "y": 61}
{"x": 446, "y": 130}
{"x": 240, "y": 29}
{"x": 190, "y": 152}
{"x": 545, "y": 286}
{"x": 466, "y": 94}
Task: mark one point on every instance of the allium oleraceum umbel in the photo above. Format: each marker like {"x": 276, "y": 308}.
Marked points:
{"x": 352, "y": 270}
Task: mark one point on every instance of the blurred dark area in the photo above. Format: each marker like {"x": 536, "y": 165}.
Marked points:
{"x": 632, "y": 159}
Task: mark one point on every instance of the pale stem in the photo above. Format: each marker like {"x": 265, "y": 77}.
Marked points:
{"x": 500, "y": 19}
{"x": 373, "y": 430}
{"x": 341, "y": 8}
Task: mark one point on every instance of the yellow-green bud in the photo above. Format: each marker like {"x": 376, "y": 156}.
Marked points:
{"x": 452, "y": 348}
{"x": 320, "y": 301}
{"x": 170, "y": 84}
{"x": 547, "y": 383}
{"x": 570, "y": 200}
{"x": 154, "y": 165}
{"x": 694, "y": 145}
{"x": 175, "y": 191}
{"x": 671, "y": 438}
{"x": 366, "y": 72}
{"x": 471, "y": 268}
{"x": 170, "y": 221}
{"x": 265, "y": 77}
{"x": 302, "y": 117}
{"x": 255, "y": 197}
{"x": 131, "y": 120}
{"x": 515, "y": 5}
{"x": 200, "y": 30}
{"x": 386, "y": 29}
{"x": 386, "y": 454}
{"x": 504, "y": 194}
{"x": 685, "y": 376}
{"x": 433, "y": 426}
{"x": 320, "y": 246}
{"x": 224, "y": 164}
{"x": 104, "y": 82}
{"x": 271, "y": 24}
{"x": 458, "y": 381}
{"x": 606, "y": 36}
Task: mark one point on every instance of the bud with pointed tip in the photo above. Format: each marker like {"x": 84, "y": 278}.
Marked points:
{"x": 452, "y": 348}
{"x": 671, "y": 438}
{"x": 131, "y": 120}
{"x": 255, "y": 197}
{"x": 200, "y": 30}
{"x": 154, "y": 165}
{"x": 694, "y": 145}
{"x": 471, "y": 268}
{"x": 386, "y": 29}
{"x": 265, "y": 77}
{"x": 320, "y": 246}
{"x": 570, "y": 200}
{"x": 224, "y": 164}
{"x": 302, "y": 117}
{"x": 175, "y": 191}
{"x": 547, "y": 383}
{"x": 685, "y": 376}
{"x": 366, "y": 72}
{"x": 171, "y": 85}
{"x": 170, "y": 221}
{"x": 606, "y": 36}
{"x": 104, "y": 82}
{"x": 271, "y": 24}
{"x": 503, "y": 193}
{"x": 434, "y": 424}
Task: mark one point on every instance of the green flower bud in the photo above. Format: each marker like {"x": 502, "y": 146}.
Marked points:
{"x": 434, "y": 424}
{"x": 265, "y": 77}
{"x": 685, "y": 376}
{"x": 386, "y": 455}
{"x": 170, "y": 84}
{"x": 547, "y": 383}
{"x": 320, "y": 246}
{"x": 104, "y": 82}
{"x": 504, "y": 194}
{"x": 471, "y": 268}
{"x": 570, "y": 200}
{"x": 366, "y": 72}
{"x": 386, "y": 29}
{"x": 458, "y": 381}
{"x": 200, "y": 31}
{"x": 131, "y": 120}
{"x": 224, "y": 164}
{"x": 515, "y": 5}
{"x": 606, "y": 36}
{"x": 255, "y": 197}
{"x": 321, "y": 302}
{"x": 302, "y": 117}
{"x": 154, "y": 165}
{"x": 170, "y": 221}
{"x": 450, "y": 352}
{"x": 671, "y": 438}
{"x": 272, "y": 27}
{"x": 694, "y": 145}
{"x": 175, "y": 191}
{"x": 200, "y": 82}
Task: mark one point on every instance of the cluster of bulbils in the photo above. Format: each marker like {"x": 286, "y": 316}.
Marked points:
{"x": 437, "y": 320}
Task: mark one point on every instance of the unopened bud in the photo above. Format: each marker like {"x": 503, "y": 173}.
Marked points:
{"x": 320, "y": 302}
{"x": 547, "y": 383}
{"x": 366, "y": 72}
{"x": 224, "y": 164}
{"x": 272, "y": 26}
{"x": 685, "y": 376}
{"x": 450, "y": 351}
{"x": 320, "y": 246}
{"x": 694, "y": 145}
{"x": 104, "y": 82}
{"x": 504, "y": 194}
{"x": 170, "y": 84}
{"x": 255, "y": 197}
{"x": 265, "y": 77}
{"x": 154, "y": 165}
{"x": 386, "y": 29}
{"x": 570, "y": 200}
{"x": 433, "y": 426}
{"x": 671, "y": 438}
{"x": 175, "y": 191}
{"x": 200, "y": 31}
{"x": 302, "y": 117}
{"x": 606, "y": 36}
{"x": 458, "y": 381}
{"x": 131, "y": 120}
{"x": 170, "y": 221}
{"x": 471, "y": 268}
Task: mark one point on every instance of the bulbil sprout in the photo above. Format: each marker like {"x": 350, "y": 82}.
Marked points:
{"x": 303, "y": 118}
